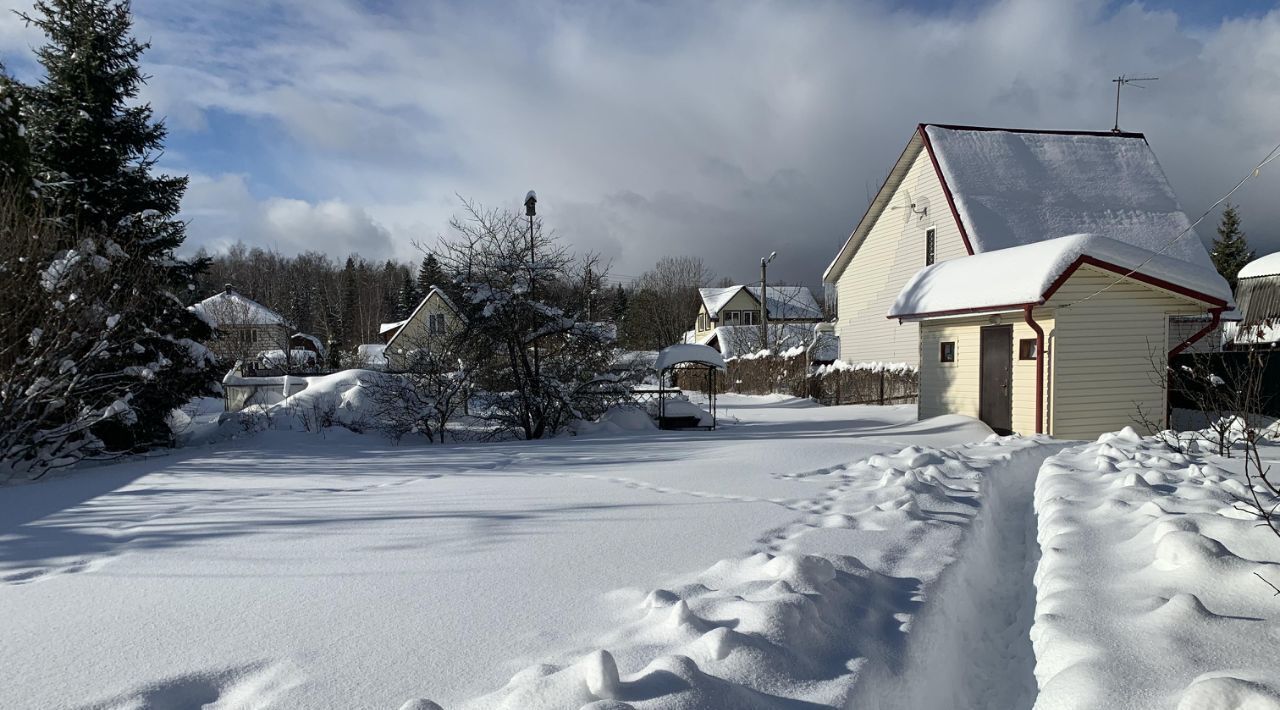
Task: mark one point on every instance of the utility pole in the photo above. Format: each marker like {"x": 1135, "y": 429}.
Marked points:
{"x": 1121, "y": 81}
{"x": 764, "y": 298}
{"x": 530, "y": 210}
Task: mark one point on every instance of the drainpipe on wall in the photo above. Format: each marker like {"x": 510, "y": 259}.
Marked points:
{"x": 1031, "y": 321}
{"x": 1215, "y": 318}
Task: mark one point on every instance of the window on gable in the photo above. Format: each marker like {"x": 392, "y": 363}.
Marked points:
{"x": 930, "y": 246}
{"x": 1027, "y": 349}
{"x": 733, "y": 318}
{"x": 435, "y": 324}
{"x": 751, "y": 317}
{"x": 947, "y": 351}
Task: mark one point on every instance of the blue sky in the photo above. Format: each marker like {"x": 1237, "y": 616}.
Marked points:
{"x": 723, "y": 130}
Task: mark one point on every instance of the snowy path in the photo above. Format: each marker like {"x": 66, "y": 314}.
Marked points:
{"x": 302, "y": 571}
{"x": 907, "y": 566}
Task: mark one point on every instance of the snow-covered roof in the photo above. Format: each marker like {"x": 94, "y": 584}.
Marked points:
{"x": 717, "y": 298}
{"x": 784, "y": 302}
{"x": 1027, "y": 274}
{"x": 1268, "y": 265}
{"x": 1017, "y": 187}
{"x": 233, "y": 308}
{"x": 385, "y": 328}
{"x": 315, "y": 342}
{"x": 688, "y": 352}
{"x": 789, "y": 302}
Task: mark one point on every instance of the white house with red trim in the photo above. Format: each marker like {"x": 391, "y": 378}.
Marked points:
{"x": 1067, "y": 337}
{"x": 960, "y": 191}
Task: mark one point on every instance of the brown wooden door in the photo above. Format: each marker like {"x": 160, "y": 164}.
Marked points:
{"x": 995, "y": 398}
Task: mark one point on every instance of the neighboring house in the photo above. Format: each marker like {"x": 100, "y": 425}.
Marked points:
{"x": 429, "y": 326}
{"x": 244, "y": 328}
{"x": 1067, "y": 337}
{"x": 729, "y": 318}
{"x": 1258, "y": 299}
{"x": 956, "y": 191}
{"x": 387, "y": 330}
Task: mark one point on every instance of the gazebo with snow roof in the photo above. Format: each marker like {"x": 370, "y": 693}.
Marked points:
{"x": 697, "y": 360}
{"x": 1068, "y": 337}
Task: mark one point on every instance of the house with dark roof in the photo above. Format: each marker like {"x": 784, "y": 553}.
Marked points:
{"x": 958, "y": 191}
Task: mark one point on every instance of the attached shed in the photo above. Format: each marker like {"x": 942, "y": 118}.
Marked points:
{"x": 1067, "y": 337}
{"x": 1258, "y": 293}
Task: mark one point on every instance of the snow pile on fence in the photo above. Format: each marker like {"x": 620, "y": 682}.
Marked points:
{"x": 790, "y": 624}
{"x": 897, "y": 368}
{"x": 1148, "y": 589}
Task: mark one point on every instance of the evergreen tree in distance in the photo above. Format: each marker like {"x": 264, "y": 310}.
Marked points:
{"x": 410, "y": 296}
{"x": 619, "y": 309}
{"x": 92, "y": 149}
{"x": 1230, "y": 251}
{"x": 14, "y": 156}
{"x": 430, "y": 274}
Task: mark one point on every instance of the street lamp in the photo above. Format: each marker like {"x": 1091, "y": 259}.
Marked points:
{"x": 764, "y": 286}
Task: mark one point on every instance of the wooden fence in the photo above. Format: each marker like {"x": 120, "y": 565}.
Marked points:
{"x": 839, "y": 383}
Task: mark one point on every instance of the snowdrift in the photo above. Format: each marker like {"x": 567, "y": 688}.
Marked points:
{"x": 1146, "y": 591}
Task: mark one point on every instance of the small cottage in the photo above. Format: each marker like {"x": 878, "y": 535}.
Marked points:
{"x": 244, "y": 328}
{"x": 1067, "y": 337}
{"x": 730, "y": 319}
{"x": 429, "y": 326}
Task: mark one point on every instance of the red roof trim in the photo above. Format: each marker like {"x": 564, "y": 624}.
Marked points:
{"x": 1051, "y": 132}
{"x": 1130, "y": 273}
{"x": 962, "y": 311}
{"x": 946, "y": 189}
{"x": 1057, "y": 283}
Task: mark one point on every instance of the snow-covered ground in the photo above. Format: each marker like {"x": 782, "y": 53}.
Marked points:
{"x": 798, "y": 557}
{"x": 317, "y": 571}
{"x": 1151, "y": 586}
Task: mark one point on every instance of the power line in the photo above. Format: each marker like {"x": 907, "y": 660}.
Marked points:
{"x": 1275, "y": 153}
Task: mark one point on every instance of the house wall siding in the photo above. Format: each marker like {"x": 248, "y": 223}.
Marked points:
{"x": 893, "y": 251}
{"x": 954, "y": 388}
{"x": 415, "y": 333}
{"x": 1105, "y": 348}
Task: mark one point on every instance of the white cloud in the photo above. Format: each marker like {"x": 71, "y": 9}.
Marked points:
{"x": 222, "y": 212}
{"x": 722, "y": 129}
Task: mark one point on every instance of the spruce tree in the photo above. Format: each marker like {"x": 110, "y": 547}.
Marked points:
{"x": 619, "y": 304}
{"x": 14, "y": 155}
{"x": 1230, "y": 250}
{"x": 430, "y": 274}
{"x": 350, "y": 303}
{"x": 410, "y": 296}
{"x": 93, "y": 148}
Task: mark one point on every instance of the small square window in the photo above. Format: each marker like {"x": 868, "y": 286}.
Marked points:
{"x": 947, "y": 351}
{"x": 1027, "y": 349}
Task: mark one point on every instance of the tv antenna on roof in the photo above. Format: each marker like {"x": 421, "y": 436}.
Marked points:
{"x": 1121, "y": 81}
